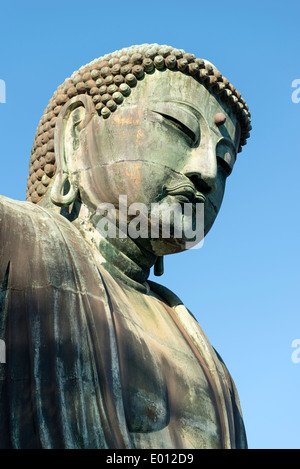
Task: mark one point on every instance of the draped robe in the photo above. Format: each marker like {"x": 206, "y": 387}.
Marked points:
{"x": 61, "y": 386}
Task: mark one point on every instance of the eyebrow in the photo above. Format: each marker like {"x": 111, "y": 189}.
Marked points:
{"x": 182, "y": 114}
{"x": 185, "y": 104}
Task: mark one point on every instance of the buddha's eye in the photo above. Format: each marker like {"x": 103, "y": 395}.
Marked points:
{"x": 180, "y": 126}
{"x": 179, "y": 117}
{"x": 224, "y": 165}
{"x": 225, "y": 156}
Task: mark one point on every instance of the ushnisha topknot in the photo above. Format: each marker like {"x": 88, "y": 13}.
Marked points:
{"x": 108, "y": 80}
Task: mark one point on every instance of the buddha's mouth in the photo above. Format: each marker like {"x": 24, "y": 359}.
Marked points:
{"x": 185, "y": 192}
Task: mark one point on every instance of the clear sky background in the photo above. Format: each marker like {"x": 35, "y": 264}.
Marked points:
{"x": 243, "y": 285}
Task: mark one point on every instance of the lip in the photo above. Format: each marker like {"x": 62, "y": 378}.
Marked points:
{"x": 186, "y": 191}
{"x": 200, "y": 197}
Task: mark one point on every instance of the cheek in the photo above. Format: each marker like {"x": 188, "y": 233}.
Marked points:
{"x": 213, "y": 202}
{"x": 140, "y": 181}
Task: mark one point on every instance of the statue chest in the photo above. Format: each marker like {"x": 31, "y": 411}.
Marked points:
{"x": 167, "y": 398}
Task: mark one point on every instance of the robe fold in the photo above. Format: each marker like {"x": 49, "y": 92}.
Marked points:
{"x": 60, "y": 386}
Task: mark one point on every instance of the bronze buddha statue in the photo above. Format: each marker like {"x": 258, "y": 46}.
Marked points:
{"x": 98, "y": 356}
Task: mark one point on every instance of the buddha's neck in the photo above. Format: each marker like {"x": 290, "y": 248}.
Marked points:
{"x": 122, "y": 257}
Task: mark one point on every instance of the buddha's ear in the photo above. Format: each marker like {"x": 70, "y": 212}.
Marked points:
{"x": 72, "y": 119}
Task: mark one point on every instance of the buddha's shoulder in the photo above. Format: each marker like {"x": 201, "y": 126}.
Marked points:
{"x": 12, "y": 209}
{"x": 19, "y": 220}
{"x": 168, "y": 296}
{"x": 10, "y": 204}
{"x": 38, "y": 239}
{"x": 23, "y": 212}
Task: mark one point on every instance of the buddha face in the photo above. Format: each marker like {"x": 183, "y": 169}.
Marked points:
{"x": 170, "y": 141}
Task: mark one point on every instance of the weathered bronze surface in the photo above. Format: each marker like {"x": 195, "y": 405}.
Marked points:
{"x": 97, "y": 356}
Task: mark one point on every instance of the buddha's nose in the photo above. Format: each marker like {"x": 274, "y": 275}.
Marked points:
{"x": 202, "y": 168}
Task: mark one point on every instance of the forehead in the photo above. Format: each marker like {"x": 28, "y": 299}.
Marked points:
{"x": 179, "y": 88}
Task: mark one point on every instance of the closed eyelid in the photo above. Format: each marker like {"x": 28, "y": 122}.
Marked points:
{"x": 227, "y": 143}
{"x": 176, "y": 113}
{"x": 226, "y": 154}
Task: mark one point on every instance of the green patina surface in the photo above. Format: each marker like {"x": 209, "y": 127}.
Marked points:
{"x": 100, "y": 357}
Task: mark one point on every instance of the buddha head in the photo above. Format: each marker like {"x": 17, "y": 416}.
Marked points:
{"x": 149, "y": 122}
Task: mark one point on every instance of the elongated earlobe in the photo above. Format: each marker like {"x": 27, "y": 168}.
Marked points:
{"x": 58, "y": 195}
{"x": 65, "y": 187}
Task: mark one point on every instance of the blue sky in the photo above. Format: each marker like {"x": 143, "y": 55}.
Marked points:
{"x": 243, "y": 285}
